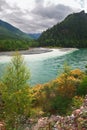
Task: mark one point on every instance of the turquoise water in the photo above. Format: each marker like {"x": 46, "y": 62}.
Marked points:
{"x": 45, "y": 69}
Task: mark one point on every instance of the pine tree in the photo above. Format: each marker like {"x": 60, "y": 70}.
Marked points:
{"x": 16, "y": 91}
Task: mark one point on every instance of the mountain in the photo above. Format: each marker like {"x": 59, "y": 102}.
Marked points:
{"x": 11, "y": 38}
{"x": 71, "y": 32}
{"x": 7, "y": 31}
{"x": 35, "y": 35}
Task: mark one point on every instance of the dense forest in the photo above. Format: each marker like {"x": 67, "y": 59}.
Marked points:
{"x": 17, "y": 44}
{"x": 71, "y": 32}
{"x": 19, "y": 102}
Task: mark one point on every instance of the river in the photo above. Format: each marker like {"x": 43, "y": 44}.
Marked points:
{"x": 47, "y": 66}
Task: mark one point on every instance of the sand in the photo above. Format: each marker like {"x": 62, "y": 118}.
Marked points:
{"x": 31, "y": 51}
{"x": 38, "y": 50}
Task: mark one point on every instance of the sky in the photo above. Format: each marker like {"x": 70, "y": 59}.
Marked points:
{"x": 35, "y": 16}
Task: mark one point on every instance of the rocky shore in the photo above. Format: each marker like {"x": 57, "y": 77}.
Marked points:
{"x": 28, "y": 52}
{"x": 76, "y": 121}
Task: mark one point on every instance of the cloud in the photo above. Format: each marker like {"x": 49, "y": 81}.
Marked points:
{"x": 50, "y": 15}
{"x": 57, "y": 12}
{"x": 39, "y": 2}
{"x": 11, "y": 14}
{"x": 38, "y": 19}
{"x": 82, "y": 3}
{"x": 3, "y": 4}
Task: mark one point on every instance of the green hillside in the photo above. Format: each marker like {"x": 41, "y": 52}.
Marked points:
{"x": 11, "y": 38}
{"x": 8, "y": 31}
{"x": 72, "y": 32}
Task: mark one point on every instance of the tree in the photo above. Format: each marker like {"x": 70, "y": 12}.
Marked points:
{"x": 66, "y": 83}
{"x": 16, "y": 91}
{"x": 82, "y": 89}
{"x": 65, "y": 91}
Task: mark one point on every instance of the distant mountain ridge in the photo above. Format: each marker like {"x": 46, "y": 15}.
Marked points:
{"x": 35, "y": 35}
{"x": 72, "y": 32}
{"x": 12, "y": 38}
{"x": 8, "y": 31}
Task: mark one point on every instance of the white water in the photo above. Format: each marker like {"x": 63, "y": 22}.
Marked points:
{"x": 44, "y": 56}
{"x": 43, "y": 67}
{"x": 38, "y": 57}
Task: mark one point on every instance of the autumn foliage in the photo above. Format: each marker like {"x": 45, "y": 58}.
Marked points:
{"x": 56, "y": 96}
{"x": 19, "y": 101}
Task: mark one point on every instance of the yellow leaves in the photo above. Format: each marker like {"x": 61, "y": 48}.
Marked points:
{"x": 18, "y": 92}
{"x": 77, "y": 101}
{"x": 66, "y": 91}
{"x": 37, "y": 111}
{"x": 78, "y": 98}
{"x": 67, "y": 83}
{"x": 37, "y": 90}
{"x": 64, "y": 85}
{"x": 74, "y": 75}
{"x": 77, "y": 74}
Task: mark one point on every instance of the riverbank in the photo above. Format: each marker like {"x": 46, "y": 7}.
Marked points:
{"x": 31, "y": 51}
{"x": 39, "y": 50}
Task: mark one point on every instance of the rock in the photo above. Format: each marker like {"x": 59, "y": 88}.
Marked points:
{"x": 2, "y": 126}
{"x": 27, "y": 128}
{"x": 76, "y": 121}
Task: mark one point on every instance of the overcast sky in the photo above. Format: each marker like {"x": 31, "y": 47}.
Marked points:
{"x": 33, "y": 16}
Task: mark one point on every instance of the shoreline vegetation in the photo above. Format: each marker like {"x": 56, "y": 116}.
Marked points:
{"x": 61, "y": 96}
{"x": 38, "y": 50}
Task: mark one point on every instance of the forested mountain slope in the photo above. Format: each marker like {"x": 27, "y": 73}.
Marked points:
{"x": 11, "y": 38}
{"x": 72, "y": 32}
